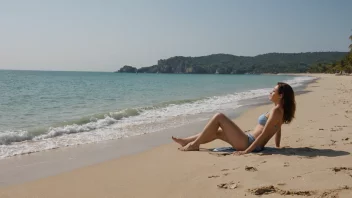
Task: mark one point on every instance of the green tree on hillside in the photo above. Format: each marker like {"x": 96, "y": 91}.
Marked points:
{"x": 349, "y": 58}
{"x": 343, "y": 65}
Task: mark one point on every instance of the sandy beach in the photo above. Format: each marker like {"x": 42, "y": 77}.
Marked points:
{"x": 315, "y": 160}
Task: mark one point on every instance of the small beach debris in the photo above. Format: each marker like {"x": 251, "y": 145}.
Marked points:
{"x": 250, "y": 168}
{"x": 343, "y": 169}
{"x": 333, "y": 193}
{"x": 338, "y": 169}
{"x": 229, "y": 185}
{"x": 265, "y": 190}
{"x": 333, "y": 142}
{"x": 213, "y": 176}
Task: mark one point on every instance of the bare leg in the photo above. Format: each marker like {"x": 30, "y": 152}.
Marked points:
{"x": 185, "y": 141}
{"x": 230, "y": 131}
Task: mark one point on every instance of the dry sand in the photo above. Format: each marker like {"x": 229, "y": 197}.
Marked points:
{"x": 315, "y": 163}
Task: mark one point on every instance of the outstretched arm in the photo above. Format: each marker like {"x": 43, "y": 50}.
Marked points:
{"x": 278, "y": 138}
{"x": 268, "y": 131}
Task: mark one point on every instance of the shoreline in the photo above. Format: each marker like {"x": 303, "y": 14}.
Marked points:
{"x": 130, "y": 120}
{"x": 235, "y": 100}
{"x": 318, "y": 137}
{"x": 51, "y": 162}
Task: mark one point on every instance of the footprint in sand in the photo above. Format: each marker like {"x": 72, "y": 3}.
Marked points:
{"x": 333, "y": 193}
{"x": 225, "y": 169}
{"x": 213, "y": 176}
{"x": 333, "y": 142}
{"x": 298, "y": 176}
{"x": 286, "y": 164}
{"x": 346, "y": 170}
{"x": 265, "y": 190}
{"x": 250, "y": 168}
{"x": 229, "y": 185}
{"x": 338, "y": 128}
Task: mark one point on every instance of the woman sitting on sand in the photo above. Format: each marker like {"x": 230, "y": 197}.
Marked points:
{"x": 221, "y": 127}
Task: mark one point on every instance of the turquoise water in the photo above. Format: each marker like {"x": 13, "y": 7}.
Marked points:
{"x": 42, "y": 110}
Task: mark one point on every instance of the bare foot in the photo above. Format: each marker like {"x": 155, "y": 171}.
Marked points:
{"x": 190, "y": 147}
{"x": 180, "y": 141}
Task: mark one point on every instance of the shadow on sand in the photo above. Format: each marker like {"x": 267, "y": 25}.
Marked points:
{"x": 306, "y": 152}
{"x": 303, "y": 152}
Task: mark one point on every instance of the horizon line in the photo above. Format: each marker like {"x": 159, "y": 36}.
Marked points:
{"x": 168, "y": 58}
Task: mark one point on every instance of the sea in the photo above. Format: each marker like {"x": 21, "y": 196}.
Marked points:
{"x": 41, "y": 110}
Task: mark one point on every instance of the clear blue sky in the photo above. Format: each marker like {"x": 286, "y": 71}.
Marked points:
{"x": 105, "y": 35}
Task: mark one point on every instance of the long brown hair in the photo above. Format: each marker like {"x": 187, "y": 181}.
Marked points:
{"x": 288, "y": 101}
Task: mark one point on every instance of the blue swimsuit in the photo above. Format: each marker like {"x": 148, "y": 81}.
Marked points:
{"x": 262, "y": 121}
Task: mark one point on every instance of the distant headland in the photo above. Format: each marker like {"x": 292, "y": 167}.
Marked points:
{"x": 231, "y": 64}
